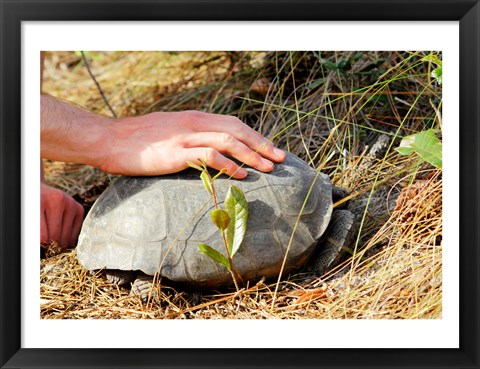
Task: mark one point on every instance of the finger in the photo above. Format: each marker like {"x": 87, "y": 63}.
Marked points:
{"x": 227, "y": 144}
{"x": 55, "y": 221}
{"x": 44, "y": 238}
{"x": 68, "y": 218}
{"x": 215, "y": 160}
{"x": 77, "y": 224}
{"x": 225, "y": 123}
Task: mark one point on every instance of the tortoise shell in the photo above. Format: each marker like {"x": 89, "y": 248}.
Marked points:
{"x": 155, "y": 224}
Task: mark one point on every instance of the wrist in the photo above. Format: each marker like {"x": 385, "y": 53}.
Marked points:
{"x": 70, "y": 133}
{"x": 116, "y": 145}
{"x": 131, "y": 141}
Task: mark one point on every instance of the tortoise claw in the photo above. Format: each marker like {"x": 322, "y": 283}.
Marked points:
{"x": 144, "y": 288}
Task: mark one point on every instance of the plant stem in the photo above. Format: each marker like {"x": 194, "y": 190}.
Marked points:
{"x": 214, "y": 194}
{"x": 97, "y": 84}
{"x": 230, "y": 260}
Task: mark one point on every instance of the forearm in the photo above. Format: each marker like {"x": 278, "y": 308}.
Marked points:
{"x": 71, "y": 133}
{"x": 153, "y": 144}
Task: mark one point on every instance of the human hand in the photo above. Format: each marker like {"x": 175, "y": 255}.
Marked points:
{"x": 161, "y": 143}
{"x": 61, "y": 217}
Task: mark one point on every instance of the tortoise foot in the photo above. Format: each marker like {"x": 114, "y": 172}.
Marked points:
{"x": 144, "y": 288}
{"x": 120, "y": 277}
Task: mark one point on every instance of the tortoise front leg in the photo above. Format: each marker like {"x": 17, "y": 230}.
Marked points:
{"x": 338, "y": 238}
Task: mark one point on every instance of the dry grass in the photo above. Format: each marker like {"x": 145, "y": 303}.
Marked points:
{"x": 330, "y": 109}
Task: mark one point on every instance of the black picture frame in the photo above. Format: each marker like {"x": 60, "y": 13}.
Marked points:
{"x": 13, "y": 13}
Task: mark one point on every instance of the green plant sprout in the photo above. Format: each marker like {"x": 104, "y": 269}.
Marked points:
{"x": 425, "y": 144}
{"x": 437, "y": 72}
{"x": 230, "y": 221}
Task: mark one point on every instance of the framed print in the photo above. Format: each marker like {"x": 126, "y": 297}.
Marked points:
{"x": 375, "y": 108}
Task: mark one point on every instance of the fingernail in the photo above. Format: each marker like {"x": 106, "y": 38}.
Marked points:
{"x": 242, "y": 172}
{"x": 278, "y": 152}
{"x": 267, "y": 163}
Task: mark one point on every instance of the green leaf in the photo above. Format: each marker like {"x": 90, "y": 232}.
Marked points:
{"x": 207, "y": 182}
{"x": 405, "y": 151}
{"x": 214, "y": 255}
{"x": 425, "y": 144}
{"x": 407, "y": 145}
{"x": 220, "y": 218}
{"x": 433, "y": 58}
{"x": 236, "y": 206}
{"x": 437, "y": 74}
{"x": 194, "y": 166}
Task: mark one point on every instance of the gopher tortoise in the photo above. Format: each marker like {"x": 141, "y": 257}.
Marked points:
{"x": 155, "y": 224}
